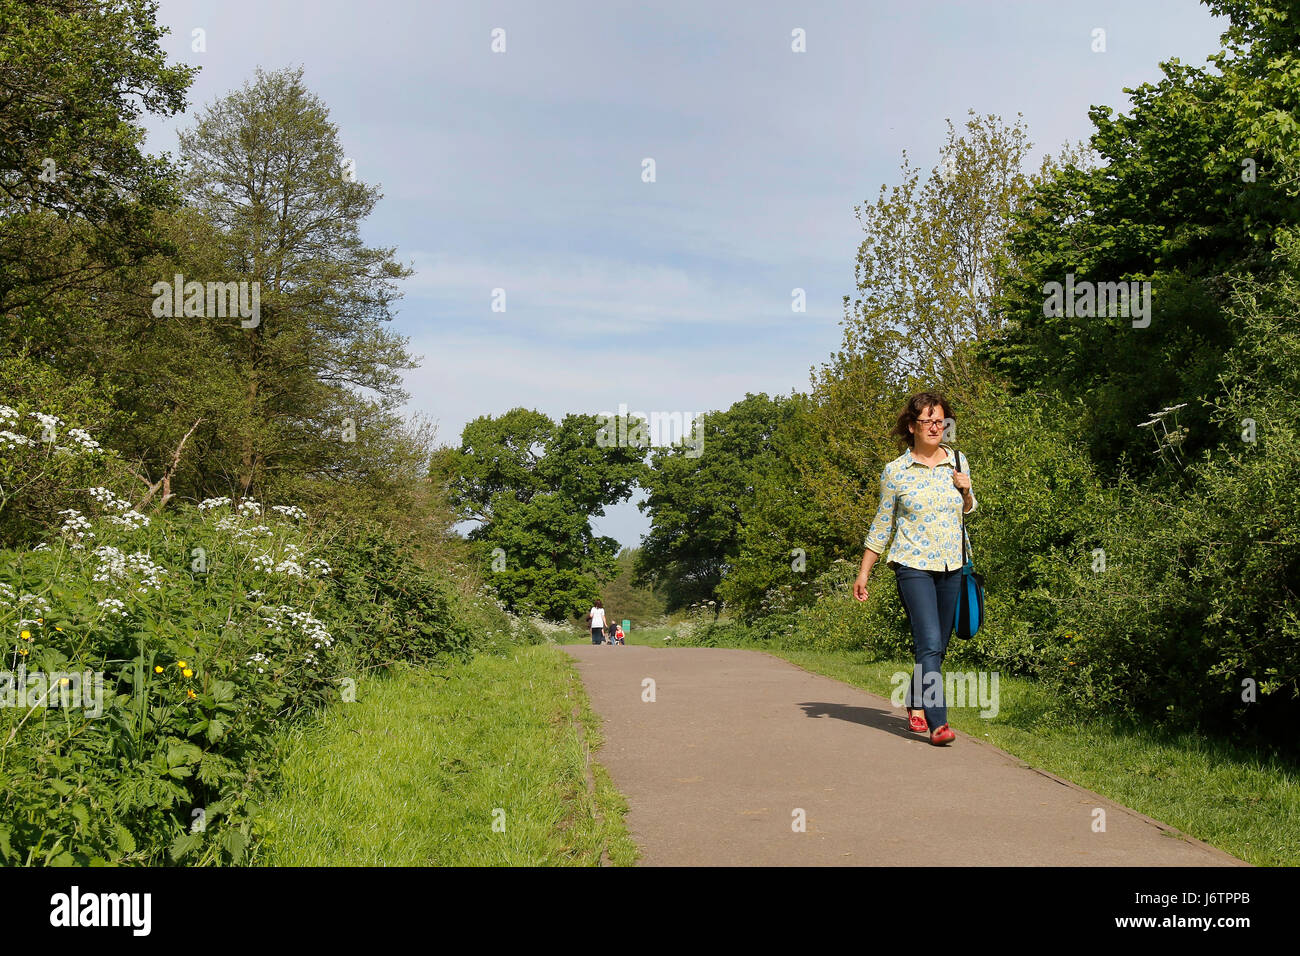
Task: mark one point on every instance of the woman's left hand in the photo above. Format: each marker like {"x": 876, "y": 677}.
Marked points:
{"x": 961, "y": 481}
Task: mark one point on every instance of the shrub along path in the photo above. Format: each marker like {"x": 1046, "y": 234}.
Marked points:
{"x": 736, "y": 742}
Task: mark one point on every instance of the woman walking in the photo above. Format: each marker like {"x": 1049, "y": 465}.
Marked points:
{"x": 597, "y": 618}
{"x": 923, "y": 496}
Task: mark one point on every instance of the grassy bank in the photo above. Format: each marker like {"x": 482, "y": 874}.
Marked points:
{"x": 477, "y": 764}
{"x": 1245, "y": 801}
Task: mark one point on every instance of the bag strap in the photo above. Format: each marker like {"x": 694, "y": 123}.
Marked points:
{"x": 956, "y": 461}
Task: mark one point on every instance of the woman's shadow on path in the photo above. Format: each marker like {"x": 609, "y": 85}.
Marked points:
{"x": 872, "y": 717}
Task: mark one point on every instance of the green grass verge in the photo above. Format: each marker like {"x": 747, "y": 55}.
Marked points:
{"x": 478, "y": 764}
{"x": 1246, "y": 801}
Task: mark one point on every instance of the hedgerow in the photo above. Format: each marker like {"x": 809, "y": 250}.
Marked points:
{"x": 153, "y": 660}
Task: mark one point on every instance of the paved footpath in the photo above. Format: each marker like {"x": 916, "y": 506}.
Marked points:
{"x": 736, "y": 741}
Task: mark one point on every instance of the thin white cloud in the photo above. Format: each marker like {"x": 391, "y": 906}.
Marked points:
{"x": 585, "y": 295}
{"x": 467, "y": 375}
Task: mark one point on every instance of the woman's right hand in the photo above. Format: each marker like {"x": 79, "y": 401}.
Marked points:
{"x": 860, "y": 587}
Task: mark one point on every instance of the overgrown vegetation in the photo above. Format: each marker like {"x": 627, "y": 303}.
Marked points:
{"x": 208, "y": 630}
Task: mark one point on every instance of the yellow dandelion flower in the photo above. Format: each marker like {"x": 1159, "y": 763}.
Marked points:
{"x": 26, "y": 635}
{"x": 187, "y": 672}
{"x": 22, "y": 651}
{"x": 157, "y": 669}
{"x": 181, "y": 664}
{"x": 57, "y": 628}
{"x": 191, "y": 694}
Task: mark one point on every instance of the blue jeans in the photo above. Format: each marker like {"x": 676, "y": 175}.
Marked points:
{"x": 931, "y": 601}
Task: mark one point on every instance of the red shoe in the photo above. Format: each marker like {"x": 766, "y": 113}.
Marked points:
{"x": 942, "y": 735}
{"x": 917, "y": 723}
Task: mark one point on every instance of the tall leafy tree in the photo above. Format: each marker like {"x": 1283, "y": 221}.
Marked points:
{"x": 928, "y": 272}
{"x": 266, "y": 167}
{"x": 784, "y": 538}
{"x": 697, "y": 502}
{"x": 532, "y": 486}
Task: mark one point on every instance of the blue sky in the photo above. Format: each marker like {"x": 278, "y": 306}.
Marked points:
{"x": 522, "y": 170}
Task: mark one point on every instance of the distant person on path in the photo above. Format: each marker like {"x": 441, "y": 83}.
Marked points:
{"x": 922, "y": 500}
{"x": 597, "y": 618}
{"x": 618, "y": 634}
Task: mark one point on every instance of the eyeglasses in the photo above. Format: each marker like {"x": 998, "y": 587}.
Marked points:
{"x": 931, "y": 422}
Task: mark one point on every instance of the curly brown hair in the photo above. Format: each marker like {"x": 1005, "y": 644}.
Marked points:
{"x": 918, "y": 403}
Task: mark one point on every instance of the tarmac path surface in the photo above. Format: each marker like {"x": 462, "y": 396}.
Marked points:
{"x": 737, "y": 741}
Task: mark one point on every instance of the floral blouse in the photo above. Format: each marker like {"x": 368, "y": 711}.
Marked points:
{"x": 921, "y": 510}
